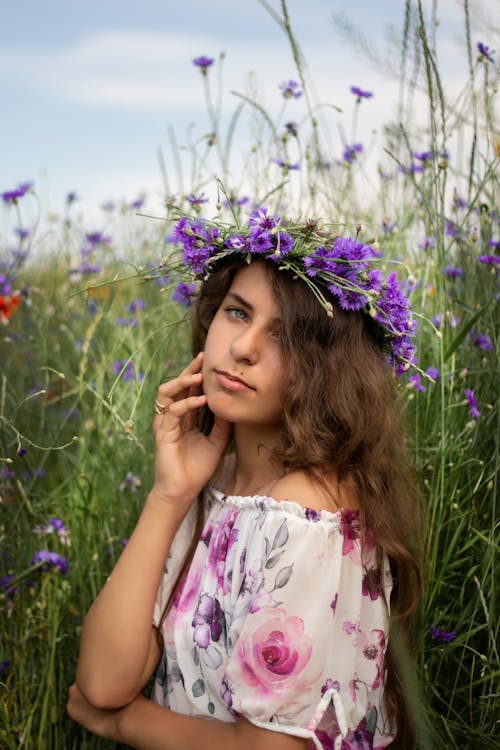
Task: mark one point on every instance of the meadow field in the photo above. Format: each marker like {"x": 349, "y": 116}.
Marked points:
{"x": 93, "y": 319}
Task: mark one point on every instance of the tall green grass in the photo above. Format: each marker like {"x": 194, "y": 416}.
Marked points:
{"x": 75, "y": 437}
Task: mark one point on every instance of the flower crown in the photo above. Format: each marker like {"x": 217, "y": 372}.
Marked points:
{"x": 340, "y": 266}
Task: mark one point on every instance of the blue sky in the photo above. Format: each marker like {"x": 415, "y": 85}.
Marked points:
{"x": 89, "y": 88}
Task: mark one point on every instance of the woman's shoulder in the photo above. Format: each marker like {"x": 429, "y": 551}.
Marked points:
{"x": 318, "y": 491}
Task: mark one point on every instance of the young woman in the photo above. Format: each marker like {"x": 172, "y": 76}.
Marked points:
{"x": 279, "y": 539}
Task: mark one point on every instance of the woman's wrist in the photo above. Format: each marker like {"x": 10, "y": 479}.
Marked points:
{"x": 130, "y": 720}
{"x": 173, "y": 504}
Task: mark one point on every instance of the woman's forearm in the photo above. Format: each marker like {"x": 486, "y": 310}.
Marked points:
{"x": 146, "y": 726}
{"x": 116, "y": 634}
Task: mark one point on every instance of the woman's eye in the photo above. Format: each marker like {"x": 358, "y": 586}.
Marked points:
{"x": 235, "y": 312}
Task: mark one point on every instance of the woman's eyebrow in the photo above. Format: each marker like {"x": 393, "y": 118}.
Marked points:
{"x": 237, "y": 298}
{"x": 243, "y": 302}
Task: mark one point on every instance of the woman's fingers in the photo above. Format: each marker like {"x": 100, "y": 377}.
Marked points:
{"x": 180, "y": 397}
{"x": 190, "y": 377}
{"x": 180, "y": 408}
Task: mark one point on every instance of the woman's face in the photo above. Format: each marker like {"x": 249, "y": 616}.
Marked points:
{"x": 244, "y": 378}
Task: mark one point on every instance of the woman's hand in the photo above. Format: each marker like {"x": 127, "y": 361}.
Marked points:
{"x": 185, "y": 458}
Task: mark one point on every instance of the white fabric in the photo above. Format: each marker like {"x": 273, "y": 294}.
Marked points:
{"x": 282, "y": 617}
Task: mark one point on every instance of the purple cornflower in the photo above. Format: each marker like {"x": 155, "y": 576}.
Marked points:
{"x": 286, "y": 165}
{"x": 453, "y": 272}
{"x": 492, "y": 260}
{"x": 360, "y": 93}
{"x": 50, "y": 560}
{"x": 424, "y": 156}
{"x": 71, "y": 197}
{"x": 349, "y": 299}
{"x": 130, "y": 482}
{"x": 481, "y": 340}
{"x": 233, "y": 200}
{"x": 395, "y": 314}
{"x": 459, "y": 202}
{"x": 12, "y": 196}
{"x": 97, "y": 238}
{"x": 292, "y": 128}
{"x": 57, "y": 525}
{"x": 433, "y": 373}
{"x": 92, "y": 306}
{"x": 4, "y": 666}
{"x": 203, "y": 63}
{"x": 290, "y": 90}
{"x": 485, "y": 53}
{"x": 7, "y": 585}
{"x": 414, "y": 382}
{"x": 200, "y": 242}
{"x": 264, "y": 235}
{"x": 411, "y": 168}
{"x": 443, "y": 635}
{"x": 346, "y": 255}
{"x": 472, "y": 401}
{"x": 427, "y": 243}
{"x": 136, "y": 305}
{"x": 138, "y": 203}
{"x": 127, "y": 366}
{"x": 127, "y": 322}
{"x": 196, "y": 200}
{"x": 237, "y": 242}
{"x": 494, "y": 243}
{"x": 184, "y": 294}
{"x": 351, "y": 152}
{"x": 260, "y": 220}
{"x": 22, "y": 233}
{"x": 84, "y": 268}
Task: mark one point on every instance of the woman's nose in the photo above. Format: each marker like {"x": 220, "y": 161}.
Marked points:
{"x": 246, "y": 345}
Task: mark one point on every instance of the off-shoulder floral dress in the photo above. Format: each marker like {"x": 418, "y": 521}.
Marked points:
{"x": 282, "y": 617}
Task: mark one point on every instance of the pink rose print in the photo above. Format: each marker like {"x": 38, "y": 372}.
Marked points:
{"x": 189, "y": 589}
{"x": 273, "y": 654}
{"x": 359, "y": 547}
{"x": 221, "y": 539}
{"x": 373, "y": 648}
{"x": 325, "y": 739}
{"x": 371, "y": 583}
{"x": 349, "y": 527}
{"x": 333, "y": 603}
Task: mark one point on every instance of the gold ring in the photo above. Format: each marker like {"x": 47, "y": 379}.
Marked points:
{"x": 160, "y": 408}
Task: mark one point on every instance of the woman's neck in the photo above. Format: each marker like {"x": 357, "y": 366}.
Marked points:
{"x": 252, "y": 469}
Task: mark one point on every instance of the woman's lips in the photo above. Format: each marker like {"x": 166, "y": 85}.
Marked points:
{"x": 232, "y": 383}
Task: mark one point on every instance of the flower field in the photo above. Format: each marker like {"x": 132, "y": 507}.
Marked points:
{"x": 94, "y": 317}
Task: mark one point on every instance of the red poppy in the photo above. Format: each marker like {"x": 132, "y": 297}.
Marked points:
{"x": 8, "y": 305}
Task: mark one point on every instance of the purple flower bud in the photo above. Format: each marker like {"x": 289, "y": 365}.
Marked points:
{"x": 360, "y": 93}
{"x": 203, "y": 63}
{"x": 485, "y": 53}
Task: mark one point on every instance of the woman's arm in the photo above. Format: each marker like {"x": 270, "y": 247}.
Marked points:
{"x": 116, "y": 637}
{"x": 117, "y": 631}
{"x": 144, "y": 725}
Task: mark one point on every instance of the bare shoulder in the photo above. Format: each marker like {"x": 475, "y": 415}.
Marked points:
{"x": 324, "y": 492}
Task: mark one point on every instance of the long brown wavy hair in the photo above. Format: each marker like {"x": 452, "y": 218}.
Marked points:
{"x": 341, "y": 413}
